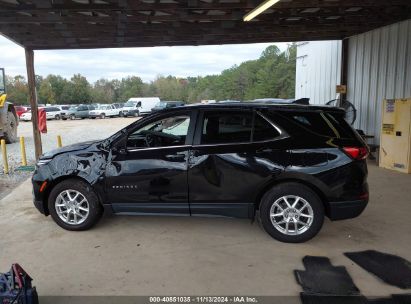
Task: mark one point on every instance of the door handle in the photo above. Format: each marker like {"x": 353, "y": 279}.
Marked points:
{"x": 176, "y": 156}
{"x": 264, "y": 150}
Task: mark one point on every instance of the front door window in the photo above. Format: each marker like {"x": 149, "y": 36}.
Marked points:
{"x": 166, "y": 132}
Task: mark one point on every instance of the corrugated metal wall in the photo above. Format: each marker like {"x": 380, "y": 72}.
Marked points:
{"x": 317, "y": 70}
{"x": 379, "y": 66}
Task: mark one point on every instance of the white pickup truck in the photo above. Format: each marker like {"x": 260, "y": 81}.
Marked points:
{"x": 104, "y": 111}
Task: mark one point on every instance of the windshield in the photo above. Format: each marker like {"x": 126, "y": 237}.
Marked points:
{"x": 130, "y": 103}
{"x": 2, "y": 82}
{"x": 103, "y": 108}
{"x": 161, "y": 104}
{"x": 73, "y": 108}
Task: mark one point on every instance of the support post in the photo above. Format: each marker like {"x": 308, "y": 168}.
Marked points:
{"x": 31, "y": 80}
{"x": 344, "y": 65}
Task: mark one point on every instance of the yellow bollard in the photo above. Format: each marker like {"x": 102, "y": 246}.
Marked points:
{"x": 59, "y": 143}
{"x": 23, "y": 152}
{"x": 4, "y": 154}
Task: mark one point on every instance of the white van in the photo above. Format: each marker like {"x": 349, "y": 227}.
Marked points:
{"x": 136, "y": 106}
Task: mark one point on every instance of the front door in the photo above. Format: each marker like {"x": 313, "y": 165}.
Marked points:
{"x": 149, "y": 175}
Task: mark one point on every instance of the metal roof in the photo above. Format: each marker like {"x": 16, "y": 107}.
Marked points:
{"x": 68, "y": 24}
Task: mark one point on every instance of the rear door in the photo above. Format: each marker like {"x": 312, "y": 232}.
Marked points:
{"x": 235, "y": 153}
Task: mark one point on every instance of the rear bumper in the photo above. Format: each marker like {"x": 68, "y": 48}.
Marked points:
{"x": 346, "y": 209}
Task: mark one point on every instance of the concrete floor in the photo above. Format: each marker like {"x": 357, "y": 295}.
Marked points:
{"x": 196, "y": 256}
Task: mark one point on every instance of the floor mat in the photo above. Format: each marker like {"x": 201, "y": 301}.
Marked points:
{"x": 395, "y": 299}
{"x": 321, "y": 277}
{"x": 390, "y": 268}
{"x": 310, "y": 298}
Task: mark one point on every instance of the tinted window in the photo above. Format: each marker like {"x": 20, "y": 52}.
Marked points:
{"x": 341, "y": 125}
{"x": 263, "y": 130}
{"x": 226, "y": 127}
{"x": 312, "y": 121}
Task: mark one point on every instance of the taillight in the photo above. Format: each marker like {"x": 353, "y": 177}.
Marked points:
{"x": 356, "y": 152}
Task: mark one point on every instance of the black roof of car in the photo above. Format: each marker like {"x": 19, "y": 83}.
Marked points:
{"x": 260, "y": 105}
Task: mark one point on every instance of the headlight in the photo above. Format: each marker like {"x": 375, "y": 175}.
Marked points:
{"x": 42, "y": 162}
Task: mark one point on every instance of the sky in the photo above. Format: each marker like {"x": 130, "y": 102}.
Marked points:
{"x": 147, "y": 63}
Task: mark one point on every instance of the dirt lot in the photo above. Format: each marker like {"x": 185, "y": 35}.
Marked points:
{"x": 71, "y": 131}
{"x": 196, "y": 256}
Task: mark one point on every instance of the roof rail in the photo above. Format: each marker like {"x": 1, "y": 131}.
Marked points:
{"x": 301, "y": 101}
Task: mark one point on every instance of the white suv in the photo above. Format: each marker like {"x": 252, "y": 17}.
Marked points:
{"x": 104, "y": 111}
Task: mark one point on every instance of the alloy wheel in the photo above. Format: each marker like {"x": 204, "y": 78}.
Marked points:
{"x": 291, "y": 215}
{"x": 72, "y": 207}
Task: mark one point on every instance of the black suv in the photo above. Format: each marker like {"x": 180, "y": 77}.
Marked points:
{"x": 288, "y": 164}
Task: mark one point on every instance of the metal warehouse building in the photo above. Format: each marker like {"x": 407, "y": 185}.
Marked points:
{"x": 378, "y": 66}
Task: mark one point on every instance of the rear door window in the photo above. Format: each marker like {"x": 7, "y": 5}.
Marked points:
{"x": 226, "y": 127}
{"x": 263, "y": 130}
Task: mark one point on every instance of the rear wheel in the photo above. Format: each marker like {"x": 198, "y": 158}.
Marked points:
{"x": 57, "y": 117}
{"x": 74, "y": 206}
{"x": 10, "y": 128}
{"x": 102, "y": 115}
{"x": 291, "y": 213}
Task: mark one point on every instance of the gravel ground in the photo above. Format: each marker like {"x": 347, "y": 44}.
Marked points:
{"x": 71, "y": 131}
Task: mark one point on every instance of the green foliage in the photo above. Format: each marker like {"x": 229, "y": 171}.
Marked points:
{"x": 272, "y": 75}
{"x": 17, "y": 90}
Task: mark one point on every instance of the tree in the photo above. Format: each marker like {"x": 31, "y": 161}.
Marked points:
{"x": 45, "y": 93}
{"x": 77, "y": 90}
{"x": 104, "y": 91}
{"x": 131, "y": 86}
{"x": 17, "y": 90}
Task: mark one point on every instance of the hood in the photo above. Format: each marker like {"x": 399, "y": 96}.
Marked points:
{"x": 70, "y": 148}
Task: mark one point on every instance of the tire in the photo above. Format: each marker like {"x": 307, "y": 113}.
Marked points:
{"x": 136, "y": 114}
{"x": 10, "y": 128}
{"x": 120, "y": 114}
{"x": 57, "y": 117}
{"x": 102, "y": 116}
{"x": 273, "y": 203}
{"x": 72, "y": 117}
{"x": 92, "y": 117}
{"x": 58, "y": 195}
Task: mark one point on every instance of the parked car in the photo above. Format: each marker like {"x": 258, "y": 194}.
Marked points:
{"x": 63, "y": 111}
{"x": 20, "y": 110}
{"x": 119, "y": 107}
{"x": 290, "y": 165}
{"x": 137, "y": 106}
{"x": 53, "y": 113}
{"x": 81, "y": 111}
{"x": 26, "y": 116}
{"x": 167, "y": 104}
{"x": 104, "y": 111}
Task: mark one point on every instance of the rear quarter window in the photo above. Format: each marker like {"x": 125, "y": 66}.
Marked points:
{"x": 322, "y": 123}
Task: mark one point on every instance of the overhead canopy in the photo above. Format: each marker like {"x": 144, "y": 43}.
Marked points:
{"x": 67, "y": 24}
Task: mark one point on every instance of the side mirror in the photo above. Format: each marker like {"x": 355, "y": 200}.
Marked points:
{"x": 119, "y": 150}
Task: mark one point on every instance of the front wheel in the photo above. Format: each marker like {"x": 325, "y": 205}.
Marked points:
{"x": 72, "y": 117}
{"x": 10, "y": 128}
{"x": 136, "y": 114}
{"x": 57, "y": 117}
{"x": 102, "y": 116}
{"x": 73, "y": 205}
{"x": 292, "y": 213}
